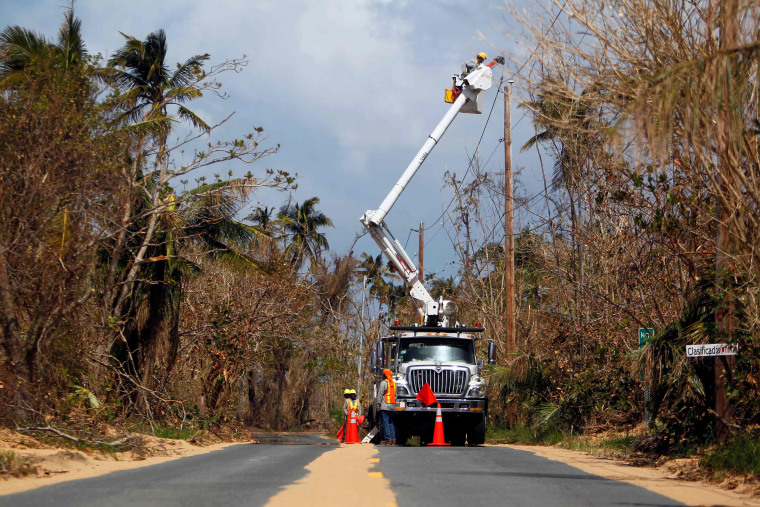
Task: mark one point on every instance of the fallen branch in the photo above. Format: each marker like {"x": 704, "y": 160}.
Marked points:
{"x": 120, "y": 442}
{"x": 50, "y": 429}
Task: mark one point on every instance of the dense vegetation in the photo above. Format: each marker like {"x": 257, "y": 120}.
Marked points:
{"x": 131, "y": 289}
{"x": 648, "y": 112}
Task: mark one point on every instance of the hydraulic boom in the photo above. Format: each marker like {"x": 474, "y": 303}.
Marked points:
{"x": 435, "y": 312}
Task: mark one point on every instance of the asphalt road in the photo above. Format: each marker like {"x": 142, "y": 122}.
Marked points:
{"x": 242, "y": 474}
{"x": 499, "y": 476}
{"x": 251, "y": 474}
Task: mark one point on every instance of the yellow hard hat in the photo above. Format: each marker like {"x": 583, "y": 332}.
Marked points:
{"x": 353, "y": 391}
{"x": 346, "y": 391}
{"x": 482, "y": 55}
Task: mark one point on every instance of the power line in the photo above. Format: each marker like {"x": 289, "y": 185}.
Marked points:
{"x": 437, "y": 222}
{"x": 533, "y": 53}
{"x": 472, "y": 159}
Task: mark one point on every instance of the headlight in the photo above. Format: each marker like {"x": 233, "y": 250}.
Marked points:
{"x": 402, "y": 391}
{"x": 477, "y": 391}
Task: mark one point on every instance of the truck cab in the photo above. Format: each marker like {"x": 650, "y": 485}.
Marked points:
{"x": 445, "y": 359}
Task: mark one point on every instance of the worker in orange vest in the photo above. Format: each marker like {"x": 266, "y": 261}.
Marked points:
{"x": 387, "y": 395}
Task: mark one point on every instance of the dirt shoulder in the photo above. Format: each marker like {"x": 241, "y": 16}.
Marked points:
{"x": 28, "y": 463}
{"x": 666, "y": 480}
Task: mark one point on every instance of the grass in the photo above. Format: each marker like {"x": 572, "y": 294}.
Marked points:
{"x": 183, "y": 433}
{"x": 615, "y": 445}
{"x": 11, "y": 464}
{"x": 618, "y": 446}
{"x": 6, "y": 461}
{"x": 740, "y": 456}
{"x": 522, "y": 434}
{"x": 186, "y": 432}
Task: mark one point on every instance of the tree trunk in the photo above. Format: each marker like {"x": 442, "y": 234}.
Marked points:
{"x": 12, "y": 341}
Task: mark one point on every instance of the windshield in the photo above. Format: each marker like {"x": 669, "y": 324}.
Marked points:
{"x": 436, "y": 349}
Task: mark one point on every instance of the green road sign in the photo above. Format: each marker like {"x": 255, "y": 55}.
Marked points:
{"x": 645, "y": 336}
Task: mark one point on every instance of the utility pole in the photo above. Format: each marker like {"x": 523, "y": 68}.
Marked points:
{"x": 361, "y": 337}
{"x": 724, "y": 411}
{"x": 422, "y": 247}
{"x": 421, "y": 259}
{"x": 509, "y": 238}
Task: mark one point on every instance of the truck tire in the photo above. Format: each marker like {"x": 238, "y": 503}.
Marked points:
{"x": 401, "y": 435}
{"x": 456, "y": 434}
{"x": 426, "y": 436}
{"x": 477, "y": 432}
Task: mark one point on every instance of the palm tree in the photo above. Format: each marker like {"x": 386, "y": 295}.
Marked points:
{"x": 300, "y": 224}
{"x": 151, "y": 88}
{"x": 443, "y": 287}
{"x": 263, "y": 220}
{"x": 147, "y": 306}
{"x": 375, "y": 270}
{"x": 20, "y": 48}
{"x": 570, "y": 129}
{"x": 201, "y": 221}
{"x": 566, "y": 121}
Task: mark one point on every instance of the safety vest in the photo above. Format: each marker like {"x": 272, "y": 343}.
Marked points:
{"x": 390, "y": 393}
{"x": 352, "y": 404}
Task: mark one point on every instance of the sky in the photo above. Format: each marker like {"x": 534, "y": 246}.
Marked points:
{"x": 349, "y": 89}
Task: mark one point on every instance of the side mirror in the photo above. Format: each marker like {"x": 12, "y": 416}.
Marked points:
{"x": 373, "y": 361}
{"x": 379, "y": 354}
{"x": 491, "y": 353}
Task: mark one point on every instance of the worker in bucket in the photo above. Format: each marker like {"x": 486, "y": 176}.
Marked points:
{"x": 473, "y": 64}
{"x": 387, "y": 396}
{"x": 467, "y": 67}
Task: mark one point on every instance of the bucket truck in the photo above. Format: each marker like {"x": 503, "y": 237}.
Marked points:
{"x": 440, "y": 352}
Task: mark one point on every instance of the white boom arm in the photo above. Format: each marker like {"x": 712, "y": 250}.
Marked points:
{"x": 473, "y": 86}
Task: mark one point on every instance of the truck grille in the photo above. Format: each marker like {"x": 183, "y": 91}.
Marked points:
{"x": 441, "y": 382}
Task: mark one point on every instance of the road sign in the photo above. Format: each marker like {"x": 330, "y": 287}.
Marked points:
{"x": 711, "y": 349}
{"x": 645, "y": 336}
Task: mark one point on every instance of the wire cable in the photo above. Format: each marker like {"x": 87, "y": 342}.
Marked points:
{"x": 477, "y": 147}
{"x": 538, "y": 45}
{"x": 472, "y": 159}
{"x": 512, "y": 127}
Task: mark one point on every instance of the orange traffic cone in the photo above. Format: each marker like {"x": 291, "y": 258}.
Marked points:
{"x": 438, "y": 431}
{"x": 352, "y": 432}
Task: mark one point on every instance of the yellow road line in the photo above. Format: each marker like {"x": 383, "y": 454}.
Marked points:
{"x": 324, "y": 485}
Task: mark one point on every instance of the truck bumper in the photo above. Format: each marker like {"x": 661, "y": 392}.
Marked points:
{"x": 460, "y": 417}
{"x": 448, "y": 405}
